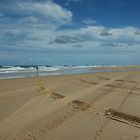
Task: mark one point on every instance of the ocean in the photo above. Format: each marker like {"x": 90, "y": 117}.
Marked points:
{"x": 54, "y": 63}
{"x": 18, "y": 71}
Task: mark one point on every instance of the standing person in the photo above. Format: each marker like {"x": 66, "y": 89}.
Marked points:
{"x": 37, "y": 70}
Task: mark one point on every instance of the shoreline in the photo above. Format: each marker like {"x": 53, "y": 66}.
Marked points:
{"x": 87, "y": 70}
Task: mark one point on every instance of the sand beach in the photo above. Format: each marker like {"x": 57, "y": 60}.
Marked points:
{"x": 95, "y": 106}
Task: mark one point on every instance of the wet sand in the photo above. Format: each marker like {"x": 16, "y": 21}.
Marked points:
{"x": 71, "y": 107}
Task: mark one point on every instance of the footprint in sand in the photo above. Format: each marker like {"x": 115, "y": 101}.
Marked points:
{"x": 101, "y": 130}
{"x": 79, "y": 105}
{"x": 87, "y": 82}
{"x": 56, "y": 96}
{"x": 41, "y": 87}
{"x": 129, "y": 138}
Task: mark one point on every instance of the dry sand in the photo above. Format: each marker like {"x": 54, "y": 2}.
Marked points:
{"x": 98, "y": 106}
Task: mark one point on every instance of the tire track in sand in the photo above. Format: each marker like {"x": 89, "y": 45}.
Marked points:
{"x": 99, "y": 132}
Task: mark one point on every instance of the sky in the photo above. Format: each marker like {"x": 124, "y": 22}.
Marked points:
{"x": 69, "y": 32}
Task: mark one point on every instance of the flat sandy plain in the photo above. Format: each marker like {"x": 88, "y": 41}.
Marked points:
{"x": 97, "y": 106}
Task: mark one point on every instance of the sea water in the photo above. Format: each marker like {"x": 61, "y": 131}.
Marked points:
{"x": 7, "y": 72}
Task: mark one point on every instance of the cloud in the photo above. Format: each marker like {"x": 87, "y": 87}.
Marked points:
{"x": 35, "y": 23}
{"x": 105, "y": 33}
{"x": 35, "y": 11}
{"x": 63, "y": 39}
{"x": 68, "y": 2}
{"x": 137, "y": 32}
{"x": 77, "y": 46}
{"x": 49, "y": 10}
{"x": 44, "y": 36}
{"x": 50, "y": 38}
{"x": 102, "y": 33}
{"x": 90, "y": 22}
{"x": 110, "y": 44}
{"x": 117, "y": 44}
{"x": 75, "y": 0}
{"x": 30, "y": 20}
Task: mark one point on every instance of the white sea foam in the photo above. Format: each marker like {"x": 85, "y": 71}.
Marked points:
{"x": 30, "y": 71}
{"x": 44, "y": 68}
{"x": 12, "y": 69}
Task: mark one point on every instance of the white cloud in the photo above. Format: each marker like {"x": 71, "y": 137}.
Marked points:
{"x": 50, "y": 37}
{"x": 137, "y": 32}
{"x": 34, "y": 12}
{"x": 90, "y": 22}
{"x": 94, "y": 34}
{"x": 30, "y": 19}
{"x": 38, "y": 23}
{"x": 125, "y": 34}
{"x": 68, "y": 2}
{"x": 74, "y": 0}
{"x": 49, "y": 10}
